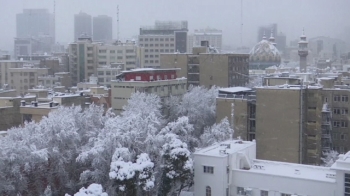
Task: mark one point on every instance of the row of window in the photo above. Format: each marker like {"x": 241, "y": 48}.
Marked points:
{"x": 342, "y": 124}
{"x": 108, "y": 73}
{"x": 243, "y": 191}
{"x": 156, "y": 39}
{"x": 340, "y": 149}
{"x": 151, "y": 56}
{"x": 159, "y": 50}
{"x": 347, "y": 184}
{"x": 343, "y": 98}
{"x": 25, "y": 81}
{"x": 118, "y": 51}
{"x": 25, "y": 74}
{"x": 152, "y": 61}
{"x": 157, "y": 45}
{"x": 342, "y": 111}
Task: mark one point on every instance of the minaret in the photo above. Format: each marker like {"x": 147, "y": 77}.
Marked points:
{"x": 303, "y": 52}
{"x": 264, "y": 37}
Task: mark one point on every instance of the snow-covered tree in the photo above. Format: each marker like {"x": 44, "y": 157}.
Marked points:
{"x": 198, "y": 105}
{"x": 92, "y": 190}
{"x": 329, "y": 158}
{"x": 255, "y": 81}
{"x": 217, "y": 133}
{"x": 177, "y": 172}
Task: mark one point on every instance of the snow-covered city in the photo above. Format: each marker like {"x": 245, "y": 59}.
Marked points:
{"x": 174, "y": 98}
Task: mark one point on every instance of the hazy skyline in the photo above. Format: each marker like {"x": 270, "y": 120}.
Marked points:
{"x": 318, "y": 17}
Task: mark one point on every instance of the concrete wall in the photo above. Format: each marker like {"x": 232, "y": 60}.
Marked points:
{"x": 213, "y": 70}
{"x": 175, "y": 61}
{"x": 277, "y": 124}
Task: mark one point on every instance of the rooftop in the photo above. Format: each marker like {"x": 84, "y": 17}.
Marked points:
{"x": 149, "y": 69}
{"x": 292, "y": 170}
{"x": 235, "y": 89}
{"x": 230, "y": 147}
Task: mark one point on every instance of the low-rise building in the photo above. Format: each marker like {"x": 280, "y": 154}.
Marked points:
{"x": 231, "y": 168}
{"x": 162, "y": 82}
{"x": 105, "y": 74}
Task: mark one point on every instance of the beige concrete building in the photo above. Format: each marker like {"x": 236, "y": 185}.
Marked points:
{"x": 106, "y": 73}
{"x": 127, "y": 53}
{"x": 5, "y": 65}
{"x": 207, "y": 69}
{"x": 290, "y": 123}
{"x": 10, "y": 111}
{"x": 25, "y": 78}
{"x": 86, "y": 56}
{"x": 163, "y": 37}
{"x": 213, "y": 36}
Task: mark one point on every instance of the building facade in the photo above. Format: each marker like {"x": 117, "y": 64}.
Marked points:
{"x": 5, "y": 65}
{"x": 208, "y": 69}
{"x": 102, "y": 28}
{"x": 213, "y": 36}
{"x": 164, "y": 37}
{"x": 162, "y": 82}
{"x": 106, "y": 74}
{"x": 314, "y": 121}
{"x": 231, "y": 168}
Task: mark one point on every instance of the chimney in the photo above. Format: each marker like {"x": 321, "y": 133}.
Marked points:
{"x": 81, "y": 94}
{"x": 36, "y": 104}
{"x": 23, "y": 103}
{"x": 51, "y": 104}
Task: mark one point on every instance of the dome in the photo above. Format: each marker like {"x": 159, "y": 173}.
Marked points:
{"x": 263, "y": 55}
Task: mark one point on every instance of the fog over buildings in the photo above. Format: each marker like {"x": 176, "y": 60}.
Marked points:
{"x": 318, "y": 17}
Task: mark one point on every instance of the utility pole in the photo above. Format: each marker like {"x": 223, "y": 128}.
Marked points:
{"x": 117, "y": 23}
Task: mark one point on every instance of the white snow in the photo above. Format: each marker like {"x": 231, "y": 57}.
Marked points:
{"x": 235, "y": 89}
{"x": 92, "y": 190}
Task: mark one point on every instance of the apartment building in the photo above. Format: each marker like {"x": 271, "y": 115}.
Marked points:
{"x": 127, "y": 53}
{"x": 25, "y": 78}
{"x": 206, "y": 68}
{"x": 232, "y": 168}
{"x": 162, "y": 82}
{"x": 163, "y": 37}
{"x": 106, "y": 74}
{"x": 313, "y": 120}
{"x": 82, "y": 59}
{"x": 5, "y": 65}
{"x": 86, "y": 56}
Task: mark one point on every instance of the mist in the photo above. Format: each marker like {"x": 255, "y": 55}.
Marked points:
{"x": 318, "y": 17}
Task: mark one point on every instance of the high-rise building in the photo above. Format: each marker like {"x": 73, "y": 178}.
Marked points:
{"x": 33, "y": 23}
{"x": 303, "y": 51}
{"x": 281, "y": 43}
{"x": 264, "y": 31}
{"x": 164, "y": 37}
{"x": 102, "y": 28}
{"x": 82, "y": 25}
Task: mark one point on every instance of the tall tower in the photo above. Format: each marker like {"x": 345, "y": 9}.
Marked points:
{"x": 303, "y": 52}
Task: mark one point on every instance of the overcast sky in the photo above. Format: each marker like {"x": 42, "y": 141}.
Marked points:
{"x": 318, "y": 17}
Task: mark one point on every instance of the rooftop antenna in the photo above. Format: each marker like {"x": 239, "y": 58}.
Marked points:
{"x": 117, "y": 23}
{"x": 54, "y": 20}
{"x": 241, "y": 22}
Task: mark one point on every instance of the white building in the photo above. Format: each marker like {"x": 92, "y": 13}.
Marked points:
{"x": 231, "y": 168}
{"x": 213, "y": 36}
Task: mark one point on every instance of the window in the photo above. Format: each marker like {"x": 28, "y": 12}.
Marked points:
{"x": 112, "y": 51}
{"x": 285, "y": 194}
{"x": 264, "y": 193}
{"x": 156, "y": 39}
{"x": 120, "y": 51}
{"x": 138, "y": 78}
{"x": 166, "y": 39}
{"x": 344, "y": 111}
{"x": 344, "y": 98}
{"x": 141, "y": 39}
{"x": 171, "y": 39}
{"x": 347, "y": 185}
{"x": 240, "y": 191}
{"x": 146, "y": 39}
{"x": 108, "y": 73}
{"x": 336, "y": 123}
{"x": 207, "y": 169}
{"x": 100, "y": 73}
{"x": 336, "y": 98}
{"x": 336, "y": 111}
{"x": 207, "y": 191}
{"x": 342, "y": 137}
{"x": 344, "y": 124}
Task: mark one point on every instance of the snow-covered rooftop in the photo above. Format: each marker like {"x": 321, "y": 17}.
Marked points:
{"x": 292, "y": 170}
{"x": 235, "y": 89}
{"x": 343, "y": 163}
{"x": 230, "y": 147}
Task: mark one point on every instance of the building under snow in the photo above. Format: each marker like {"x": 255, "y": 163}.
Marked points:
{"x": 230, "y": 168}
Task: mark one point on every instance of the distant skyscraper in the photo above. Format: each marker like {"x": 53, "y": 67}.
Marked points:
{"x": 35, "y": 23}
{"x": 281, "y": 43}
{"x": 102, "y": 28}
{"x": 82, "y": 25}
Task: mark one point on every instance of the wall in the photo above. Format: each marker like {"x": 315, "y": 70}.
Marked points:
{"x": 277, "y": 124}
{"x": 274, "y": 184}
{"x": 175, "y": 61}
